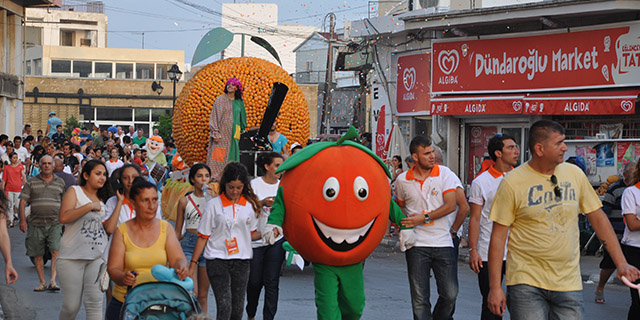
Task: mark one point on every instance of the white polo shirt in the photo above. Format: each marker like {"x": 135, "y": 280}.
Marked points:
{"x": 483, "y": 189}
{"x": 415, "y": 196}
{"x": 631, "y": 205}
{"x": 223, "y": 220}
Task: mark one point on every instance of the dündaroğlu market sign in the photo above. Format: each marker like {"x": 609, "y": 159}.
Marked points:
{"x": 596, "y": 58}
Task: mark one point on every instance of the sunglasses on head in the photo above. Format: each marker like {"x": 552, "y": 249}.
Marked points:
{"x": 556, "y": 188}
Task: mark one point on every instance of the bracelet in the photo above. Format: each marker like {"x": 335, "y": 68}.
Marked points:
{"x": 471, "y": 249}
{"x": 193, "y": 261}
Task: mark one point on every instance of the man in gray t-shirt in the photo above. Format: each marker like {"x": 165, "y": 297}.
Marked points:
{"x": 44, "y": 193}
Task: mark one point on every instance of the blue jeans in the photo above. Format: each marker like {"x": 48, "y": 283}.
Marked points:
{"x": 188, "y": 243}
{"x": 527, "y": 302}
{"x": 265, "y": 271}
{"x": 420, "y": 262}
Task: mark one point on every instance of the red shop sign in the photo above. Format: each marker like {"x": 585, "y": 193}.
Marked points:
{"x": 581, "y": 103}
{"x": 476, "y": 105}
{"x": 600, "y": 58}
{"x": 413, "y": 93}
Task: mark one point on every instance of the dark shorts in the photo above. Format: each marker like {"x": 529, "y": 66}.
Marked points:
{"x": 38, "y": 237}
{"x": 607, "y": 262}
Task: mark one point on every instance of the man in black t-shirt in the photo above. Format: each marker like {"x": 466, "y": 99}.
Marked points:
{"x": 58, "y": 138}
{"x": 70, "y": 160}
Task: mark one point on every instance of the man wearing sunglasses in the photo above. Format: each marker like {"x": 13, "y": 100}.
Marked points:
{"x": 504, "y": 151}
{"x": 537, "y": 206}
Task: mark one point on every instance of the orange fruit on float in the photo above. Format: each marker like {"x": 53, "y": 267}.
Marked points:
{"x": 193, "y": 106}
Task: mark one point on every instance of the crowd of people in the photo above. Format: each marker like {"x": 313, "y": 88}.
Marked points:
{"x": 88, "y": 202}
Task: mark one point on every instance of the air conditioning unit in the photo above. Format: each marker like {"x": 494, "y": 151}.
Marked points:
{"x": 434, "y": 5}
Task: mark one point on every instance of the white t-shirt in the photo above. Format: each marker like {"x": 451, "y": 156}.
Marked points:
{"x": 631, "y": 205}
{"x": 113, "y": 166}
{"x": 263, "y": 190}
{"x": 483, "y": 190}
{"x": 417, "y": 196}
{"x": 223, "y": 222}
{"x": 23, "y": 153}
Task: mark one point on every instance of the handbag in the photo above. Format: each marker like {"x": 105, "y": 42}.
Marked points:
{"x": 103, "y": 277}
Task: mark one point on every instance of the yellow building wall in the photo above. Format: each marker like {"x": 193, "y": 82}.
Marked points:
{"x": 310, "y": 92}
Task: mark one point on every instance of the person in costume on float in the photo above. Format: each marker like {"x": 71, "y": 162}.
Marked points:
{"x": 155, "y": 157}
{"x": 228, "y": 120}
{"x": 337, "y": 200}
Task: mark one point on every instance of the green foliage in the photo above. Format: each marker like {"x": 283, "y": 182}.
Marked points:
{"x": 70, "y": 124}
{"x": 164, "y": 126}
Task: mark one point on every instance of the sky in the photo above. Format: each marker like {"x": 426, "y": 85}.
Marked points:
{"x": 173, "y": 24}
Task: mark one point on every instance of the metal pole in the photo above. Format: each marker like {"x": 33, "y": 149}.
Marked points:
{"x": 242, "y": 46}
{"x": 326, "y": 104}
{"x": 174, "y": 96}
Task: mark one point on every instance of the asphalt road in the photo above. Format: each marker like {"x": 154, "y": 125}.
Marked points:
{"x": 386, "y": 288}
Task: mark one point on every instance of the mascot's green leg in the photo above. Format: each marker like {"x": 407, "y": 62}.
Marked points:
{"x": 339, "y": 291}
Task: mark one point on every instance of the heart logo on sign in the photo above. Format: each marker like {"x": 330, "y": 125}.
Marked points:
{"x": 448, "y": 61}
{"x": 626, "y": 105}
{"x": 605, "y": 72}
{"x": 517, "y": 106}
{"x": 475, "y": 132}
{"x": 409, "y": 78}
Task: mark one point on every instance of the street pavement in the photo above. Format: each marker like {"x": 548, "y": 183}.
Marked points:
{"x": 386, "y": 286}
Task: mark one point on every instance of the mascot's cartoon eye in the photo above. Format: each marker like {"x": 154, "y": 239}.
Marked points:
{"x": 361, "y": 188}
{"x": 331, "y": 189}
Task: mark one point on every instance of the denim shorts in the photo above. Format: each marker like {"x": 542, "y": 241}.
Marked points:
{"x": 188, "y": 243}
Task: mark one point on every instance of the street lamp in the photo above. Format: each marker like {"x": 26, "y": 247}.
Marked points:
{"x": 174, "y": 75}
{"x": 157, "y": 87}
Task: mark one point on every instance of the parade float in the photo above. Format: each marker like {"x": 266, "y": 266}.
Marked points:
{"x": 193, "y": 109}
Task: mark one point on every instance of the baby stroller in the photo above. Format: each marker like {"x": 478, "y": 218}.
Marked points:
{"x": 159, "y": 300}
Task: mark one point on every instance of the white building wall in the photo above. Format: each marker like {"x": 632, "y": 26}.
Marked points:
{"x": 49, "y": 21}
{"x": 261, "y": 19}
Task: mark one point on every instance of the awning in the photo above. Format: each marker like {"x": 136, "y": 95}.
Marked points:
{"x": 581, "y": 103}
{"x": 477, "y": 105}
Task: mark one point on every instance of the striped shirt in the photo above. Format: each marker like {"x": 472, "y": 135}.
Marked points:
{"x": 44, "y": 198}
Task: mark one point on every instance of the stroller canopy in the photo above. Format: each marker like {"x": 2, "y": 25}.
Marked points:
{"x": 159, "y": 300}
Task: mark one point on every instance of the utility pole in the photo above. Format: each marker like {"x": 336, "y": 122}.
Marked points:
{"x": 326, "y": 103}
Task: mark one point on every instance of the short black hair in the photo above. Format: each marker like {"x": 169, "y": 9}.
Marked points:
{"x": 3, "y": 137}
{"x": 540, "y": 130}
{"x": 126, "y": 139}
{"x": 418, "y": 141}
{"x": 139, "y": 184}
{"x": 496, "y": 143}
{"x": 17, "y": 138}
{"x": 59, "y": 126}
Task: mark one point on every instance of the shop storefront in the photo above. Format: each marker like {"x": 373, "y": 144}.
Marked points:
{"x": 586, "y": 78}
{"x": 410, "y": 114}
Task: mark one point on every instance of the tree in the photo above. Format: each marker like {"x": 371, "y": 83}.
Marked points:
{"x": 70, "y": 124}
{"x": 164, "y": 126}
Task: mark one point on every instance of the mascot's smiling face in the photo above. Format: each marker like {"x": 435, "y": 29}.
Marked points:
{"x": 155, "y": 145}
{"x": 337, "y": 205}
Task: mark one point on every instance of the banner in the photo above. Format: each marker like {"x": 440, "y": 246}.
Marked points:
{"x": 380, "y": 120}
{"x": 476, "y": 105}
{"x": 600, "y": 58}
{"x": 413, "y": 90}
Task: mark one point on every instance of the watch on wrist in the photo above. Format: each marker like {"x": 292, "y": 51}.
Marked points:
{"x": 427, "y": 218}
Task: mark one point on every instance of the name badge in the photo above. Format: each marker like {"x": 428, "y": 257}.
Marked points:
{"x": 232, "y": 246}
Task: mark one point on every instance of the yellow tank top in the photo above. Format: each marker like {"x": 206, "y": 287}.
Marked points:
{"x": 141, "y": 259}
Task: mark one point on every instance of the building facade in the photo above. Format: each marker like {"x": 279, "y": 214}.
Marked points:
{"x": 12, "y": 67}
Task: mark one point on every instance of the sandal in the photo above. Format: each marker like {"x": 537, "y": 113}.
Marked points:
{"x": 599, "y": 297}
{"x": 41, "y": 287}
{"x": 53, "y": 287}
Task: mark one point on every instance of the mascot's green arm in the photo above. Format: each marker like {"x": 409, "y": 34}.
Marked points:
{"x": 395, "y": 214}
{"x": 276, "y": 216}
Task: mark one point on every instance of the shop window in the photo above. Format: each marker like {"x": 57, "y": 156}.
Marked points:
{"x": 103, "y": 70}
{"x": 124, "y": 70}
{"x": 82, "y": 69}
{"x": 422, "y": 127}
{"x": 156, "y": 113}
{"x": 37, "y": 67}
{"x": 66, "y": 38}
{"x": 141, "y": 114}
{"x": 161, "y": 71}
{"x": 114, "y": 114}
{"x": 144, "y": 71}
{"x": 33, "y": 36}
{"x": 86, "y": 113}
{"x": 61, "y": 66}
